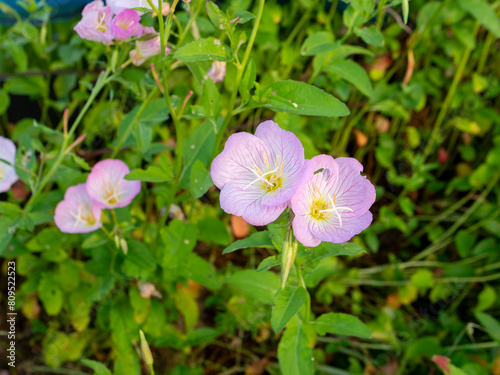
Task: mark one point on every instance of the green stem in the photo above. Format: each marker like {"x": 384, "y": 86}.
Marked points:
{"x": 436, "y": 246}
{"x": 308, "y": 297}
{"x": 164, "y": 34}
{"x": 239, "y": 76}
{"x": 125, "y": 135}
{"x": 447, "y": 101}
{"x": 102, "y": 80}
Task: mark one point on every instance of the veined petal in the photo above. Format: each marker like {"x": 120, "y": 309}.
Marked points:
{"x": 329, "y": 230}
{"x": 106, "y": 184}
{"x": 242, "y": 153}
{"x": 326, "y": 179}
{"x": 70, "y": 218}
{"x": 284, "y": 144}
{"x": 258, "y": 214}
{"x": 127, "y": 24}
{"x": 302, "y": 233}
{"x": 8, "y": 174}
{"x": 234, "y": 198}
{"x": 351, "y": 189}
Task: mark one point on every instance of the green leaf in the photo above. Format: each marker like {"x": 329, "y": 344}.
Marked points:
{"x": 259, "y": 239}
{"x": 491, "y": 325}
{"x": 260, "y": 285}
{"x": 352, "y": 73}
{"x": 4, "y": 102}
{"x": 370, "y": 35}
{"x": 198, "y": 146}
{"x": 268, "y": 263}
{"x": 245, "y": 16}
{"x": 428, "y": 346}
{"x": 304, "y": 99}
{"x": 50, "y": 295}
{"x": 140, "y": 255}
{"x": 288, "y": 303}
{"x": 484, "y": 13}
{"x": 204, "y": 49}
{"x": 8, "y": 228}
{"x": 341, "y": 324}
{"x": 327, "y": 249}
{"x": 318, "y": 42}
{"x": 99, "y": 368}
{"x": 464, "y": 242}
{"x": 199, "y": 270}
{"x": 213, "y": 230}
{"x": 179, "y": 239}
{"x": 200, "y": 180}
{"x": 294, "y": 353}
{"x": 10, "y": 209}
{"x": 151, "y": 174}
{"x": 486, "y": 298}
{"x": 31, "y": 85}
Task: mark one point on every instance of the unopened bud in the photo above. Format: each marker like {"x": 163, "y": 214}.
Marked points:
{"x": 146, "y": 352}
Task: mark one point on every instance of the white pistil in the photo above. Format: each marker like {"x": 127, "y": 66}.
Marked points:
{"x": 336, "y": 209}
{"x": 261, "y": 178}
{"x": 81, "y": 218}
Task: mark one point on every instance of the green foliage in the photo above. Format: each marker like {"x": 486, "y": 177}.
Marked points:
{"x": 409, "y": 88}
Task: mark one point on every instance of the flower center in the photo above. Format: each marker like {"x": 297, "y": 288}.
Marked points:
{"x": 271, "y": 180}
{"x": 322, "y": 208}
{"x": 111, "y": 192}
{"x": 2, "y": 174}
{"x": 125, "y": 25}
{"x": 101, "y": 23}
{"x": 85, "y": 215}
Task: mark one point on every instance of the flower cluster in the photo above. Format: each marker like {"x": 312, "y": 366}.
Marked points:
{"x": 106, "y": 187}
{"x": 261, "y": 175}
{"x": 117, "y": 21}
{"x": 8, "y": 174}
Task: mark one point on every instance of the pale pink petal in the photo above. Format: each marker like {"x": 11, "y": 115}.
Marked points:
{"x": 94, "y": 6}
{"x": 106, "y": 184}
{"x": 351, "y": 189}
{"x": 234, "y": 198}
{"x": 330, "y": 231}
{"x": 258, "y": 214}
{"x": 8, "y": 174}
{"x": 287, "y": 153}
{"x": 96, "y": 24}
{"x": 217, "y": 71}
{"x": 242, "y": 152}
{"x": 127, "y": 24}
{"x": 69, "y": 219}
{"x": 302, "y": 233}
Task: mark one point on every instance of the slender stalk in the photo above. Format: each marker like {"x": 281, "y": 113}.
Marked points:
{"x": 434, "y": 247}
{"x": 101, "y": 82}
{"x": 125, "y": 135}
{"x": 164, "y": 34}
{"x": 449, "y": 97}
{"x": 239, "y": 76}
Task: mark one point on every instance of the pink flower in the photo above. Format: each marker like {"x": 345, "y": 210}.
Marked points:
{"x": 127, "y": 24}
{"x": 217, "y": 71}
{"x": 258, "y": 174}
{"x": 7, "y": 172}
{"x": 108, "y": 188}
{"x": 333, "y": 206}
{"x": 144, "y": 49}
{"x": 96, "y": 23}
{"x": 118, "y": 6}
{"x": 77, "y": 213}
